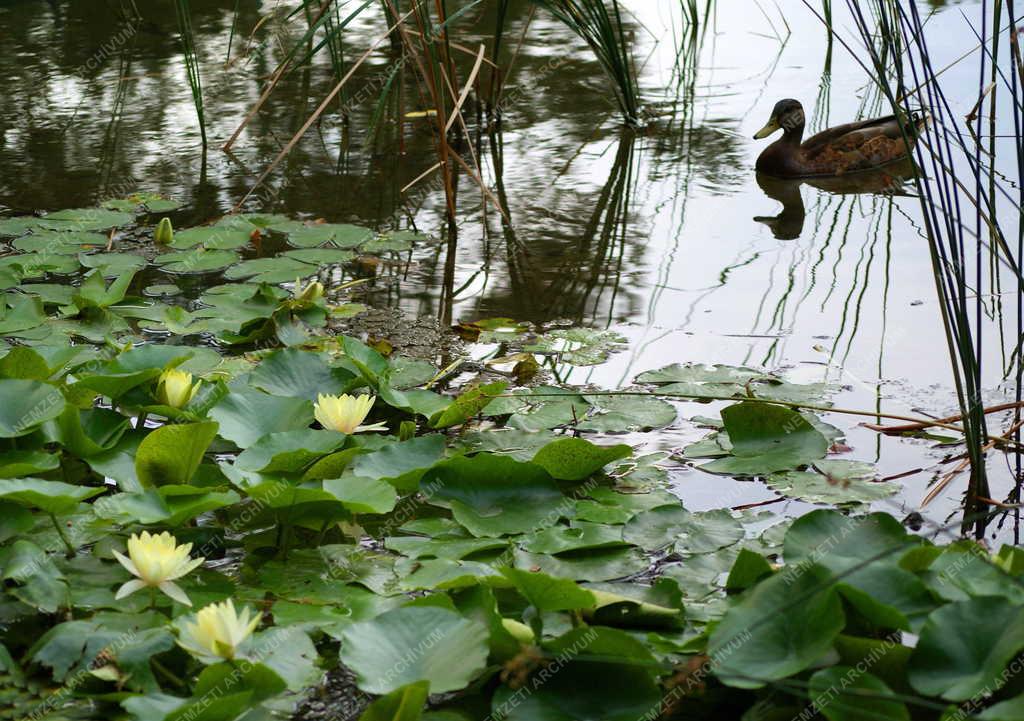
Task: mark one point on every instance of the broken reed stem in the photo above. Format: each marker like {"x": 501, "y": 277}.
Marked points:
{"x": 910, "y": 427}
{"x": 316, "y": 114}
{"x": 965, "y": 464}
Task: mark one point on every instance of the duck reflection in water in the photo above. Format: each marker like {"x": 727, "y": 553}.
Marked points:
{"x": 789, "y": 224}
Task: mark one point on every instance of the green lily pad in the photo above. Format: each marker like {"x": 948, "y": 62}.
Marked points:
{"x": 111, "y": 265}
{"x": 965, "y": 646}
{"x": 211, "y": 238}
{"x": 388, "y": 652}
{"x": 53, "y": 241}
{"x": 320, "y": 256}
{"x": 574, "y": 459}
{"x": 247, "y": 416}
{"x": 295, "y": 373}
{"x": 767, "y": 438}
{"x": 171, "y": 454}
{"x": 617, "y": 414}
{"x": 845, "y": 693}
{"x": 49, "y": 496}
{"x": 579, "y": 346}
{"x": 85, "y": 219}
{"x": 27, "y": 404}
{"x": 338, "y": 235}
{"x": 279, "y": 269}
{"x": 288, "y": 451}
{"x": 496, "y": 495}
{"x": 198, "y": 260}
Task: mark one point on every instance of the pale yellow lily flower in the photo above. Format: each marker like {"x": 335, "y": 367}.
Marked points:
{"x": 217, "y": 631}
{"x": 175, "y": 388}
{"x": 156, "y": 561}
{"x": 344, "y": 413}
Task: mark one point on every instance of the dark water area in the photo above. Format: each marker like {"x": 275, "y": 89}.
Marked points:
{"x": 663, "y": 234}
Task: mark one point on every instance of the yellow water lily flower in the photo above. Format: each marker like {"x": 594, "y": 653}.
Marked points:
{"x": 217, "y": 631}
{"x": 156, "y": 561}
{"x": 344, "y": 413}
{"x": 175, "y": 388}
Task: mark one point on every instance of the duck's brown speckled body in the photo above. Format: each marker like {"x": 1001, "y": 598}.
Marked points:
{"x": 849, "y": 148}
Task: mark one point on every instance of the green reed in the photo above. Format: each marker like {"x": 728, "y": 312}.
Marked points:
{"x": 191, "y": 59}
{"x": 603, "y": 30}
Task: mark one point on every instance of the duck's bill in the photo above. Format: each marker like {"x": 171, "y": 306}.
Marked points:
{"x": 767, "y": 130}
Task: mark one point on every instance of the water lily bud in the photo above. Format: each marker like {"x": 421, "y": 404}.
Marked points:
{"x": 217, "y": 631}
{"x": 407, "y": 430}
{"x": 156, "y": 561}
{"x": 164, "y": 233}
{"x": 519, "y": 631}
{"x": 312, "y": 292}
{"x": 175, "y": 388}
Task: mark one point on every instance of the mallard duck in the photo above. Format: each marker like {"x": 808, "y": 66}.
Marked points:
{"x": 864, "y": 145}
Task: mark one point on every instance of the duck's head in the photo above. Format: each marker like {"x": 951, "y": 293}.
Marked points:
{"x": 787, "y": 114}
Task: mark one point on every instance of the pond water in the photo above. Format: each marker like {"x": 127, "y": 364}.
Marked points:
{"x": 663, "y": 235}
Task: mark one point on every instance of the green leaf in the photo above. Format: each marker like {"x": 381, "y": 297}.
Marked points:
{"x": 1009, "y": 710}
{"x": 580, "y": 536}
{"x": 15, "y": 464}
{"x": 834, "y": 485}
{"x": 845, "y": 693}
{"x": 172, "y": 453}
{"x": 288, "y": 451}
{"x": 362, "y": 495}
{"x": 339, "y": 235}
{"x": 620, "y": 413}
{"x": 198, "y": 260}
{"x": 402, "y": 464}
{"x": 412, "y": 644}
{"x": 247, "y": 416}
{"x": 112, "y": 265}
{"x": 26, "y": 404}
{"x": 767, "y": 438}
{"x": 402, "y": 704}
{"x": 212, "y": 237}
{"x": 574, "y": 459}
{"x": 298, "y": 373}
{"x": 579, "y": 346}
{"x": 547, "y": 593}
{"x": 50, "y": 496}
{"x": 496, "y": 495}
{"x": 965, "y": 646}
{"x": 748, "y": 569}
{"x": 582, "y": 689}
{"x": 779, "y": 628}
{"x": 467, "y": 405}
{"x": 80, "y": 219}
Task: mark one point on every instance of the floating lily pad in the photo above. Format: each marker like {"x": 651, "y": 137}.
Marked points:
{"x": 833, "y": 482}
{"x": 388, "y": 652}
{"x": 320, "y": 256}
{"x": 386, "y": 244}
{"x": 111, "y": 265}
{"x": 579, "y": 346}
{"x": 338, "y": 235}
{"x": 210, "y": 237}
{"x": 199, "y": 260}
{"x": 621, "y": 413}
{"x": 53, "y": 241}
{"x": 496, "y": 495}
{"x": 767, "y": 438}
{"x": 161, "y": 289}
{"x": 85, "y": 219}
{"x": 279, "y": 269}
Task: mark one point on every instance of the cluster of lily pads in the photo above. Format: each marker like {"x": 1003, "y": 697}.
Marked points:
{"x": 201, "y": 533}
